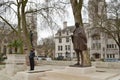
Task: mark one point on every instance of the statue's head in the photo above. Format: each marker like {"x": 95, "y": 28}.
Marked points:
{"x": 77, "y": 24}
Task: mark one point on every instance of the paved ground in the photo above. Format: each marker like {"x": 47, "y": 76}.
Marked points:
{"x": 2, "y": 66}
{"x": 100, "y": 72}
{"x": 53, "y": 67}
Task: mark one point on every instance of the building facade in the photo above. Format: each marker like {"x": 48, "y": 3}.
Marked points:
{"x": 63, "y": 43}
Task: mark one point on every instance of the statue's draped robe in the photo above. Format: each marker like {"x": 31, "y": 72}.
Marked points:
{"x": 79, "y": 39}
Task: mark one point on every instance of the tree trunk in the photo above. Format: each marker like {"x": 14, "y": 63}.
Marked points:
{"x": 19, "y": 26}
{"x": 119, "y": 51}
{"x": 119, "y": 45}
{"x": 24, "y": 27}
{"x": 15, "y": 50}
{"x": 77, "y": 7}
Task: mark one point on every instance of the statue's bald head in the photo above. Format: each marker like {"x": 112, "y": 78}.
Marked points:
{"x": 77, "y": 24}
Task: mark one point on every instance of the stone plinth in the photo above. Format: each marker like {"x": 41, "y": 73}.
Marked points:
{"x": 69, "y": 73}
{"x": 29, "y": 75}
{"x": 61, "y": 75}
{"x": 14, "y": 63}
{"x": 78, "y": 73}
{"x": 80, "y": 70}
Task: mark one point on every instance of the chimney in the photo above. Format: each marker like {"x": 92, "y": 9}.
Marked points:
{"x": 64, "y": 24}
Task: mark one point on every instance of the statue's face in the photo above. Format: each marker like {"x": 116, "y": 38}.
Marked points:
{"x": 77, "y": 25}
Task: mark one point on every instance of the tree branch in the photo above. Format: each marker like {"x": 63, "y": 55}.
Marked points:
{"x": 8, "y": 23}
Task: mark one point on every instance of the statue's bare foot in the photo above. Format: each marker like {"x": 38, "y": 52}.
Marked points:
{"x": 77, "y": 64}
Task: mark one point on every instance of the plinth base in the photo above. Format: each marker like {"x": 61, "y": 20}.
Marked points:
{"x": 78, "y": 66}
{"x": 80, "y": 70}
{"x": 29, "y": 75}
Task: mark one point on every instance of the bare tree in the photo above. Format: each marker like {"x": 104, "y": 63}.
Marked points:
{"x": 48, "y": 46}
{"x": 46, "y": 13}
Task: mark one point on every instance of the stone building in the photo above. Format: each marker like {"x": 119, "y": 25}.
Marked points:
{"x": 63, "y": 44}
{"x": 101, "y": 45}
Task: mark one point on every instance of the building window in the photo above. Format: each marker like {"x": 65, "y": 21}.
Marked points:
{"x": 60, "y": 48}
{"x": 67, "y": 39}
{"x": 96, "y": 46}
{"x": 67, "y": 54}
{"x": 59, "y": 33}
{"x": 115, "y": 46}
{"x": 110, "y": 55}
{"x": 113, "y": 55}
{"x": 60, "y": 40}
{"x": 59, "y": 54}
{"x": 111, "y": 46}
{"x": 107, "y": 55}
{"x": 67, "y": 47}
{"x": 107, "y": 45}
{"x": 67, "y": 33}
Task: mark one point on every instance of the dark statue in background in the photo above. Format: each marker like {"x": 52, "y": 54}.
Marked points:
{"x": 31, "y": 37}
{"x": 79, "y": 40}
